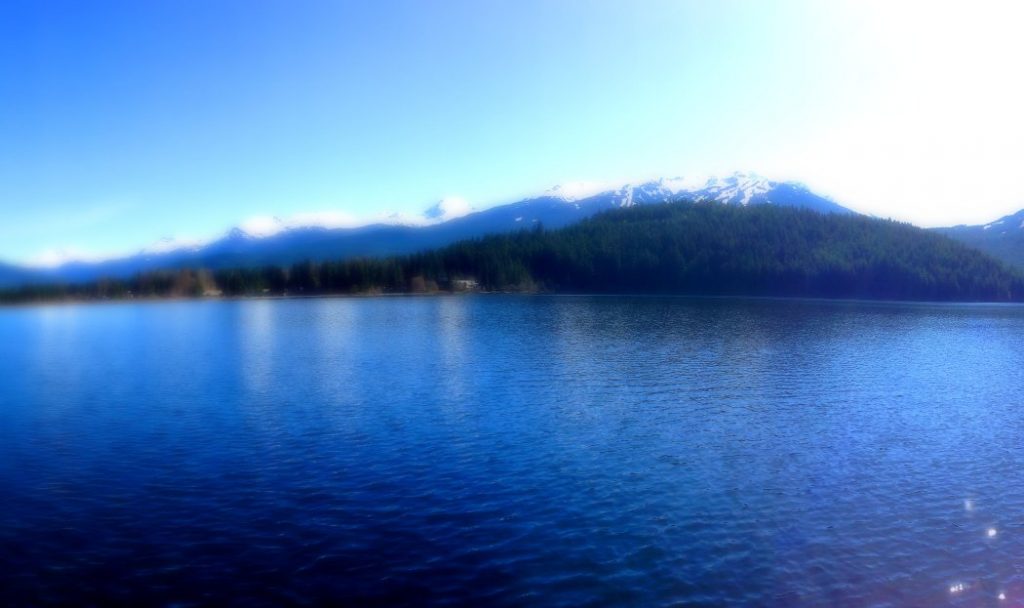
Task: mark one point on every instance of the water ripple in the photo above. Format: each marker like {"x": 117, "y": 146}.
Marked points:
{"x": 511, "y": 451}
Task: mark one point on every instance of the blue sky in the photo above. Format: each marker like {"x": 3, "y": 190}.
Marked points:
{"x": 125, "y": 122}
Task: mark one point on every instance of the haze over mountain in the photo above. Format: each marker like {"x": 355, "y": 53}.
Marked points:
{"x": 1002, "y": 239}
{"x": 14, "y": 275}
{"x": 278, "y": 241}
{"x": 681, "y": 248}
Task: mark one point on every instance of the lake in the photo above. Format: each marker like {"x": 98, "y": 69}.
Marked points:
{"x": 512, "y": 450}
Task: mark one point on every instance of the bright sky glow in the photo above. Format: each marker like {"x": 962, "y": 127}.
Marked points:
{"x": 126, "y": 123}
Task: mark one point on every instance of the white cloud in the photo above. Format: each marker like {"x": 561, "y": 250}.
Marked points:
{"x": 265, "y": 226}
{"x": 51, "y": 258}
{"x": 574, "y": 191}
{"x": 169, "y": 244}
{"x": 448, "y": 208}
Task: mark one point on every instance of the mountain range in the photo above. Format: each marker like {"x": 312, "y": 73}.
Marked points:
{"x": 1002, "y": 239}
{"x": 680, "y": 248}
{"x": 281, "y": 242}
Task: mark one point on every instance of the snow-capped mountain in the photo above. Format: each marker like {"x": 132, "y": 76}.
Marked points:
{"x": 735, "y": 189}
{"x": 336, "y": 235}
{"x": 1002, "y": 239}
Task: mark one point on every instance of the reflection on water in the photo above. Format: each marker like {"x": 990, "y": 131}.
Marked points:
{"x": 512, "y": 450}
{"x": 257, "y": 341}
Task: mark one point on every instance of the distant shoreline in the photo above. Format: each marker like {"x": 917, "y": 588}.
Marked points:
{"x": 233, "y": 298}
{"x": 460, "y": 294}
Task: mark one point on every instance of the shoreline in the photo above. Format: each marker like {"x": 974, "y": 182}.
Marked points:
{"x": 441, "y": 294}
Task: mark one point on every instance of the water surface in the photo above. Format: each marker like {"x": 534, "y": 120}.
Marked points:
{"x": 557, "y": 451}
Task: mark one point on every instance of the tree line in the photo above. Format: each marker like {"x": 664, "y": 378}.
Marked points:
{"x": 677, "y": 248}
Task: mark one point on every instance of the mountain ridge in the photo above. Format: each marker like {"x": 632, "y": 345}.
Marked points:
{"x": 338, "y": 236}
{"x": 680, "y": 248}
{"x": 1002, "y": 238}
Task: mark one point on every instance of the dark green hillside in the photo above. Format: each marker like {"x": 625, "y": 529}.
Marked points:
{"x": 717, "y": 249}
{"x": 679, "y": 248}
{"x": 1003, "y": 239}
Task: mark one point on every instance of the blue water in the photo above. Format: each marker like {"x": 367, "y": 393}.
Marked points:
{"x": 559, "y": 451}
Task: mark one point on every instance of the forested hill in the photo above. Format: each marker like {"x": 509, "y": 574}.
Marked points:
{"x": 678, "y": 248}
{"x": 717, "y": 249}
{"x": 1003, "y": 239}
